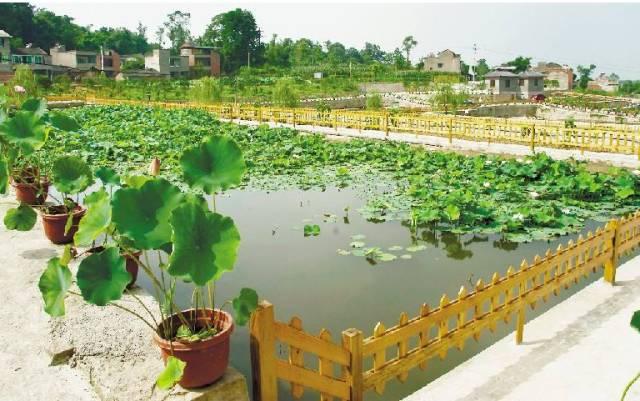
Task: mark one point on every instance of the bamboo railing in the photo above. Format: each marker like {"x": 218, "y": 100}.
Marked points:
{"x": 614, "y": 138}
{"x": 454, "y": 321}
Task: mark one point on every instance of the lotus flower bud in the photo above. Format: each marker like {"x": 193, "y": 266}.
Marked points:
{"x": 19, "y": 89}
{"x": 154, "y": 167}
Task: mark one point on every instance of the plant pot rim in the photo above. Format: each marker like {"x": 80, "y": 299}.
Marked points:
{"x": 78, "y": 211}
{"x": 219, "y": 337}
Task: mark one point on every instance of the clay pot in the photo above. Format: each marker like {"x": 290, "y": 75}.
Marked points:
{"x": 206, "y": 360}
{"x": 131, "y": 263}
{"x": 54, "y": 225}
{"x": 31, "y": 193}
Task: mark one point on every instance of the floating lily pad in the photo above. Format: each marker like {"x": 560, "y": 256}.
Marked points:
{"x": 343, "y": 252}
{"x": 358, "y": 237}
{"x": 395, "y": 248}
{"x": 357, "y": 244}
{"x": 415, "y": 248}
{"x": 406, "y": 256}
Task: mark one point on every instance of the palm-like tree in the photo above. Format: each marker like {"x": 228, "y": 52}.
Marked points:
{"x": 407, "y": 44}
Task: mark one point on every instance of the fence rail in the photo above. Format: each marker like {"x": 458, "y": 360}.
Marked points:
{"x": 616, "y": 138}
{"x": 433, "y": 331}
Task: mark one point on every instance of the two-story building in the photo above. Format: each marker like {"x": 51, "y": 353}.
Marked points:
{"x": 444, "y": 61}
{"x": 503, "y": 84}
{"x": 604, "y": 82}
{"x": 203, "y": 60}
{"x": 5, "y": 56}
{"x": 161, "y": 60}
{"x": 557, "y": 77}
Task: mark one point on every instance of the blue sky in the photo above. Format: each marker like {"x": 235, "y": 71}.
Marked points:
{"x": 571, "y": 33}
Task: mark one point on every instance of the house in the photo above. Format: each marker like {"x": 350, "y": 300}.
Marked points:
{"x": 108, "y": 61}
{"x": 504, "y": 84}
{"x": 604, "y": 82}
{"x": 82, "y": 60}
{"x": 556, "y": 76}
{"x": 37, "y": 59}
{"x": 6, "y": 71}
{"x": 444, "y": 61}
{"x": 161, "y": 61}
{"x": 203, "y": 60}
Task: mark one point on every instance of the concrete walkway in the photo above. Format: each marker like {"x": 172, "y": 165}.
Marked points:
{"x": 440, "y": 143}
{"x": 582, "y": 349}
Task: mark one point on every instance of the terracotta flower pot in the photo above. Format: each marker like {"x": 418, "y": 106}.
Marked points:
{"x": 131, "y": 264}
{"x": 31, "y": 193}
{"x": 206, "y": 360}
{"x": 54, "y": 225}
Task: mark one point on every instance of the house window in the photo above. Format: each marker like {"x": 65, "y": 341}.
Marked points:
{"x": 492, "y": 83}
{"x": 522, "y": 82}
{"x": 507, "y": 83}
{"x": 535, "y": 82}
{"x": 440, "y": 65}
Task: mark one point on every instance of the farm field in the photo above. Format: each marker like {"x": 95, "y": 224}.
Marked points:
{"x": 396, "y": 225}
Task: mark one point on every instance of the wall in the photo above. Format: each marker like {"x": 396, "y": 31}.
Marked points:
{"x": 158, "y": 61}
{"x": 504, "y": 110}
{"x": 450, "y": 63}
{"x": 381, "y": 87}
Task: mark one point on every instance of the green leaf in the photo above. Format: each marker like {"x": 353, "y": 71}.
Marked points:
{"x": 415, "y": 248}
{"x": 102, "y": 277}
{"x": 22, "y": 218}
{"x": 311, "y": 230}
{"x": 96, "y": 220}
{"x": 25, "y": 130}
{"x": 66, "y": 255}
{"x": 71, "y": 174}
{"x": 54, "y": 283}
{"x": 244, "y": 304}
{"x": 171, "y": 374}
{"x": 635, "y": 320}
{"x": 68, "y": 223}
{"x": 64, "y": 123}
{"x": 4, "y": 175}
{"x": 36, "y": 106}
{"x": 108, "y": 176}
{"x": 136, "y": 181}
{"x": 205, "y": 244}
{"x": 143, "y": 214}
{"x": 215, "y": 165}
{"x": 452, "y": 211}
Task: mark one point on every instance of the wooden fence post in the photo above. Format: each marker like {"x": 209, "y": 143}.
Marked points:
{"x": 450, "y": 131}
{"x": 352, "y": 341}
{"x": 533, "y": 139}
{"x": 263, "y": 357}
{"x": 386, "y": 127}
{"x": 611, "y": 264}
{"x": 520, "y": 324}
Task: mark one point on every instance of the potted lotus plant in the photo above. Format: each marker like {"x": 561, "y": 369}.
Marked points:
{"x": 22, "y": 133}
{"x": 191, "y": 242}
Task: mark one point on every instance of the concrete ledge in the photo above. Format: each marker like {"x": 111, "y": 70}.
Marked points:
{"x": 93, "y": 353}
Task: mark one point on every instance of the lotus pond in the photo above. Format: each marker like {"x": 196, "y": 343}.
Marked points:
{"x": 349, "y": 233}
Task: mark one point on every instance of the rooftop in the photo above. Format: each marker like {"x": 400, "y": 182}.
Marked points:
{"x": 30, "y": 51}
{"x": 3, "y": 34}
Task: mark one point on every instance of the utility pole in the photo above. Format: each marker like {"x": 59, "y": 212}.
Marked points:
{"x": 475, "y": 62}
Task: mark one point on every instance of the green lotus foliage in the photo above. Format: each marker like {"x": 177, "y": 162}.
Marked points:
{"x": 108, "y": 176}
{"x": 311, "y": 230}
{"x": 22, "y": 218}
{"x": 205, "y": 244}
{"x": 4, "y": 175}
{"x": 136, "y": 181}
{"x": 244, "y": 304}
{"x": 142, "y": 214}
{"x": 102, "y": 277}
{"x": 63, "y": 122}
{"x": 171, "y": 374}
{"x": 96, "y": 220}
{"x": 25, "y": 130}
{"x": 71, "y": 175}
{"x": 635, "y": 320}
{"x": 215, "y": 165}
{"x": 54, "y": 283}
{"x": 36, "y": 106}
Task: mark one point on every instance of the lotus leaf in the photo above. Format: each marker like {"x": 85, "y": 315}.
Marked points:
{"x": 108, "y": 176}
{"x": 215, "y": 165}
{"x": 22, "y": 218}
{"x": 102, "y": 277}
{"x": 54, "y": 283}
{"x": 244, "y": 304}
{"x": 96, "y": 220}
{"x": 71, "y": 174}
{"x": 205, "y": 244}
{"x": 171, "y": 374}
{"x": 143, "y": 214}
{"x": 63, "y": 122}
{"x": 25, "y": 130}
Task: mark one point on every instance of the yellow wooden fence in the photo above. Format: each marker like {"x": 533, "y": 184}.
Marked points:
{"x": 615, "y": 138}
{"x": 337, "y": 370}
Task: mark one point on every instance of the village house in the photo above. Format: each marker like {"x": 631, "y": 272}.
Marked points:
{"x": 504, "y": 84}
{"x": 161, "y": 61}
{"x": 556, "y": 76}
{"x": 5, "y": 56}
{"x": 604, "y": 82}
{"x": 444, "y": 61}
{"x": 203, "y": 60}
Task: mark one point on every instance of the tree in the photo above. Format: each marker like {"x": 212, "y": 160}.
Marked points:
{"x": 236, "y": 34}
{"x": 284, "y": 94}
{"x": 336, "y": 53}
{"x": 407, "y": 44}
{"x": 278, "y": 53}
{"x": 464, "y": 69}
{"x": 521, "y": 63}
{"x": 17, "y": 20}
{"x": 372, "y": 53}
{"x": 584, "y": 75}
{"x": 481, "y": 69}
{"x": 133, "y": 64}
{"x": 447, "y": 99}
{"x": 177, "y": 29}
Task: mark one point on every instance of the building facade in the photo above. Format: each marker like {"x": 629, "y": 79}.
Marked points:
{"x": 507, "y": 85}
{"x": 557, "y": 77}
{"x": 604, "y": 82}
{"x": 6, "y": 70}
{"x": 203, "y": 60}
{"x": 444, "y": 61}
{"x": 161, "y": 61}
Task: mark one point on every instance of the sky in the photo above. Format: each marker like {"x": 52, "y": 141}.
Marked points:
{"x": 571, "y": 33}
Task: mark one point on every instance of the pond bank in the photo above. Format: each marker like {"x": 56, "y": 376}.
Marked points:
{"x": 92, "y": 353}
{"x": 581, "y": 349}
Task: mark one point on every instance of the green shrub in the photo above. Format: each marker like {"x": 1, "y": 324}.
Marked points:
{"x": 206, "y": 90}
{"x": 284, "y": 94}
{"x": 374, "y": 102}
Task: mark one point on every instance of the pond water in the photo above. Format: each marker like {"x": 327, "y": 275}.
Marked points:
{"x": 307, "y": 277}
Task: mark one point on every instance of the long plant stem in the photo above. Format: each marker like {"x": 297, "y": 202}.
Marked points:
{"x": 626, "y": 389}
{"x": 143, "y": 305}
{"x": 125, "y": 309}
